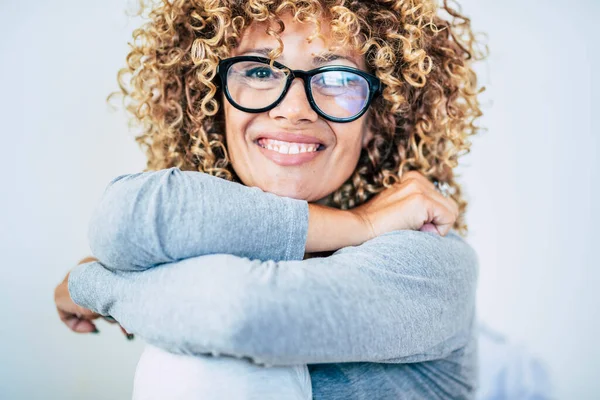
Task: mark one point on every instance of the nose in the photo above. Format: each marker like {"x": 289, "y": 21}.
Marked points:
{"x": 295, "y": 106}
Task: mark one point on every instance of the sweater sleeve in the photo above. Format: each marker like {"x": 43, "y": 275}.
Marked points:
{"x": 402, "y": 297}
{"x": 150, "y": 218}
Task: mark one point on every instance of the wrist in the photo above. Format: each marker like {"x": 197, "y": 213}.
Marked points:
{"x": 331, "y": 229}
{"x": 365, "y": 223}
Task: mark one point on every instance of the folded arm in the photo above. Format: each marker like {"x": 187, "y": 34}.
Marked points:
{"x": 150, "y": 218}
{"x": 405, "y": 296}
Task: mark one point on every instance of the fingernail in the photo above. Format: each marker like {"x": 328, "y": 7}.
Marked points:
{"x": 95, "y": 331}
{"x": 129, "y": 336}
{"x": 109, "y": 318}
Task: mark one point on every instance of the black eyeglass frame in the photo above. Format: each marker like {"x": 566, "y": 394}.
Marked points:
{"x": 375, "y": 85}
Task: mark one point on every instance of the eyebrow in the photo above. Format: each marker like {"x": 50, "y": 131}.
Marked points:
{"x": 317, "y": 61}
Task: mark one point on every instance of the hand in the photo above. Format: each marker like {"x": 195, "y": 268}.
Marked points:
{"x": 77, "y": 318}
{"x": 411, "y": 204}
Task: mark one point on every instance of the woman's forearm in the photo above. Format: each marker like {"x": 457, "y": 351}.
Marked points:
{"x": 152, "y": 218}
{"x": 405, "y": 296}
{"x": 331, "y": 229}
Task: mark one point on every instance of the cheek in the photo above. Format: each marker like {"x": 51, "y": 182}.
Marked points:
{"x": 349, "y": 138}
{"x": 236, "y": 122}
{"x": 238, "y": 147}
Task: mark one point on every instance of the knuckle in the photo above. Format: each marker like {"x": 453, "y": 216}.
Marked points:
{"x": 414, "y": 186}
{"x": 408, "y": 175}
{"x": 417, "y": 197}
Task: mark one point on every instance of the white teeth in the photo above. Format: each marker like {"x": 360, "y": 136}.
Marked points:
{"x": 287, "y": 147}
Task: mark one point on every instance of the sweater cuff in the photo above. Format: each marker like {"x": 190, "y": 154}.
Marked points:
{"x": 297, "y": 219}
{"x": 82, "y": 288}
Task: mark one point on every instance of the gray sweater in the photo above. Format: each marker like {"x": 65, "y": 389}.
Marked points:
{"x": 197, "y": 265}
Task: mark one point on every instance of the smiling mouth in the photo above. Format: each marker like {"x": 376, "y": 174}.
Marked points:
{"x": 282, "y": 147}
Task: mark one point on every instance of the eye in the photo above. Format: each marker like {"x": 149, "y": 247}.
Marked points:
{"x": 337, "y": 79}
{"x": 259, "y": 72}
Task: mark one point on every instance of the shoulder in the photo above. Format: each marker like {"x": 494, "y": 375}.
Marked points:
{"x": 172, "y": 174}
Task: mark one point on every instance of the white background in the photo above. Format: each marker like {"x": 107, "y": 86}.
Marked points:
{"x": 530, "y": 180}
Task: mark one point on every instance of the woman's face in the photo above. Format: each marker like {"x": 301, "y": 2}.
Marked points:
{"x": 310, "y": 175}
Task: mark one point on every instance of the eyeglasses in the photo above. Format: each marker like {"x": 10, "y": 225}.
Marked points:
{"x": 337, "y": 93}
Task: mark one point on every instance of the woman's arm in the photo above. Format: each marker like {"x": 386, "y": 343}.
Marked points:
{"x": 150, "y": 218}
{"x": 404, "y": 296}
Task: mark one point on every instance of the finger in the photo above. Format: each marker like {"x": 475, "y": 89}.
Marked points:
{"x": 429, "y": 227}
{"x": 77, "y": 322}
{"x": 66, "y": 317}
{"x": 80, "y": 325}
{"x": 448, "y": 202}
{"x": 423, "y": 185}
{"x": 87, "y": 314}
{"x": 419, "y": 177}
{"x": 440, "y": 210}
{"x": 429, "y": 187}
{"x": 441, "y": 216}
{"x": 128, "y": 335}
{"x": 415, "y": 182}
{"x": 84, "y": 326}
{"x": 423, "y": 209}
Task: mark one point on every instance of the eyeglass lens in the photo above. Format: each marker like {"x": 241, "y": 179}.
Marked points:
{"x": 254, "y": 85}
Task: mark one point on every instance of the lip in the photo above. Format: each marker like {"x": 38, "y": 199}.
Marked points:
{"x": 287, "y": 160}
{"x": 289, "y": 137}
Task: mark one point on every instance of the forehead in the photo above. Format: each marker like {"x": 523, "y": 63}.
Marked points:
{"x": 300, "y": 41}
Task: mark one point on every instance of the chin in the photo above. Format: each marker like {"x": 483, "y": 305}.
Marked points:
{"x": 292, "y": 192}
{"x": 291, "y": 189}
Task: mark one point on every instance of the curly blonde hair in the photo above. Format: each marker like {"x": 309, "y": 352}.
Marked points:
{"x": 422, "y": 121}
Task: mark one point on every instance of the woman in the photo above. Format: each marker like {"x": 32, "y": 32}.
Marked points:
{"x": 333, "y": 262}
